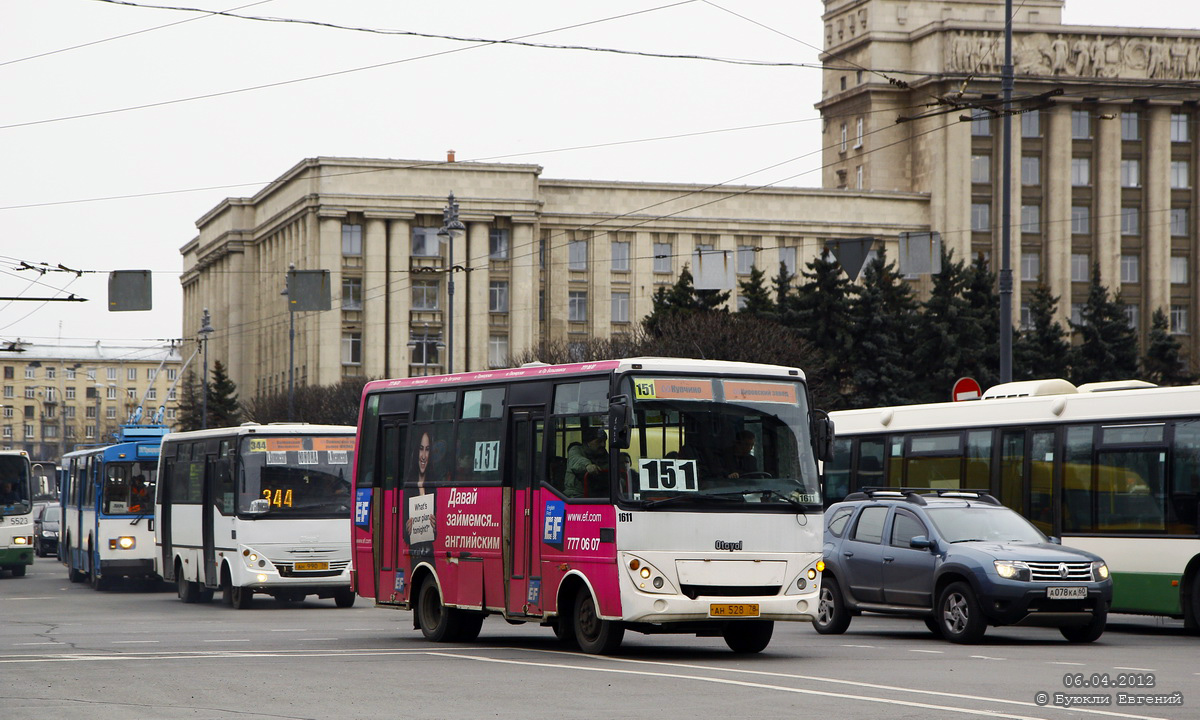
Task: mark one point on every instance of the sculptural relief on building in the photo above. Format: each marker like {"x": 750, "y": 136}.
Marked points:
{"x": 1075, "y": 55}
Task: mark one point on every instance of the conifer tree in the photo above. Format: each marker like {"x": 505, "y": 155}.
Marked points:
{"x": 1109, "y": 347}
{"x": 1041, "y": 350}
{"x": 821, "y": 311}
{"x": 187, "y": 416}
{"x": 883, "y": 325}
{"x": 945, "y": 321}
{"x": 1163, "y": 363}
{"x": 682, "y": 297}
{"x": 756, "y": 300}
{"x": 982, "y": 336}
{"x": 223, "y": 408}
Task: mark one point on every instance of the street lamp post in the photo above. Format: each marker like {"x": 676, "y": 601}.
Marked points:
{"x": 450, "y": 227}
{"x": 205, "y": 330}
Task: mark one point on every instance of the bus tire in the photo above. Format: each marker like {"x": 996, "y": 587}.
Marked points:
{"x": 1191, "y": 611}
{"x": 1089, "y": 632}
{"x": 438, "y": 622}
{"x": 188, "y": 591}
{"x": 832, "y": 617}
{"x": 18, "y": 570}
{"x": 99, "y": 582}
{"x": 748, "y": 636}
{"x": 592, "y": 634}
{"x": 344, "y": 598}
{"x": 237, "y": 597}
{"x": 469, "y": 625}
{"x": 959, "y": 615}
{"x": 73, "y": 574}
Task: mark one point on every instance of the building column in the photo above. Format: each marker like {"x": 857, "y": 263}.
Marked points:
{"x": 1056, "y": 193}
{"x": 477, "y": 283}
{"x": 377, "y": 333}
{"x": 323, "y": 331}
{"x": 1107, "y": 178}
{"x": 641, "y": 263}
{"x": 1157, "y": 282}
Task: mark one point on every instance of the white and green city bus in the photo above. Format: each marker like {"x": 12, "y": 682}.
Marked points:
{"x": 16, "y": 512}
{"x": 1113, "y": 468}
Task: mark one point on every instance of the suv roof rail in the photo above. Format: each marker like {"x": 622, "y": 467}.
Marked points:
{"x": 917, "y": 495}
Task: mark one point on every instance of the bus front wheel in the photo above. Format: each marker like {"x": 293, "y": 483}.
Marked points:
{"x": 238, "y": 598}
{"x": 748, "y": 636}
{"x": 18, "y": 570}
{"x": 594, "y": 635}
{"x": 344, "y": 598}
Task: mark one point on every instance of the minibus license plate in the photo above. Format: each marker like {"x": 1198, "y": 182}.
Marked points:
{"x": 1066, "y": 593}
{"x": 733, "y": 610}
{"x": 301, "y": 566}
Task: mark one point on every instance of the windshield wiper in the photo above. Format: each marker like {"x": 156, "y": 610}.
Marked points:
{"x": 709, "y": 497}
{"x": 967, "y": 540}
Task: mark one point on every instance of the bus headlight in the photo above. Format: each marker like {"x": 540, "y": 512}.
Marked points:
{"x": 21, "y": 540}
{"x": 125, "y": 542}
{"x": 646, "y": 577}
{"x": 1012, "y": 570}
{"x": 805, "y": 581}
{"x": 1099, "y": 570}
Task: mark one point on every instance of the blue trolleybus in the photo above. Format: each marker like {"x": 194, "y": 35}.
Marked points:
{"x": 108, "y": 507}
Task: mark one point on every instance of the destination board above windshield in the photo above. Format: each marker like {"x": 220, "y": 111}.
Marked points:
{"x": 672, "y": 389}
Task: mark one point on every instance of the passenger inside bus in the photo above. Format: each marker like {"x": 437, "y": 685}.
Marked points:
{"x": 8, "y": 493}
{"x": 585, "y": 461}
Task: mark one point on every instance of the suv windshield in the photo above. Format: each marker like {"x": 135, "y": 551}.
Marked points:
{"x": 996, "y": 524}
{"x": 298, "y": 475}
{"x": 718, "y": 441}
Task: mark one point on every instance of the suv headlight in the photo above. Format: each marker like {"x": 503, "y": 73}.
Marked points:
{"x": 1099, "y": 571}
{"x": 1012, "y": 570}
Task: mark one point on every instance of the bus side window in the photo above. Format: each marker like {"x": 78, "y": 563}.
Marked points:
{"x": 870, "y": 464}
{"x": 1184, "y": 499}
{"x": 837, "y": 471}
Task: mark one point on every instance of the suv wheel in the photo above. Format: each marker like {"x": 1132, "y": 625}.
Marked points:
{"x": 832, "y": 617}
{"x": 1089, "y": 632}
{"x": 958, "y": 614}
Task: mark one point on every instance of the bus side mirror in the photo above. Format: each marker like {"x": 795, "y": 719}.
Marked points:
{"x": 620, "y": 418}
{"x": 259, "y": 507}
{"x": 822, "y": 430}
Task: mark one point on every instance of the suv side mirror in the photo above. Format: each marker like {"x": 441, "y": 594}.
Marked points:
{"x": 822, "y": 431}
{"x": 920, "y": 542}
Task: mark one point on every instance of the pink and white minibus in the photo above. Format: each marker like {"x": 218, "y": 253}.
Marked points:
{"x": 655, "y": 495}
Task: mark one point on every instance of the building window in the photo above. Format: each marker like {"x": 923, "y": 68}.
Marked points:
{"x": 29, "y": 432}
{"x": 1031, "y": 266}
{"x": 30, "y": 393}
{"x": 1180, "y": 175}
{"x": 620, "y": 256}
{"x": 425, "y": 294}
{"x": 1031, "y": 218}
{"x": 110, "y": 413}
{"x": 1179, "y": 128}
{"x": 1081, "y": 171}
{"x": 110, "y": 393}
{"x": 1130, "y": 224}
{"x": 1026, "y": 316}
{"x": 110, "y": 373}
{"x": 70, "y": 393}
{"x": 745, "y": 259}
{"x": 1179, "y": 270}
{"x": 1131, "y": 316}
{"x": 1077, "y": 313}
{"x": 70, "y": 411}
{"x": 498, "y": 351}
{"x": 1081, "y": 219}
{"x": 858, "y": 133}
{"x": 1081, "y": 266}
{"x": 981, "y": 217}
{"x": 577, "y": 306}
{"x": 131, "y": 393}
{"x": 351, "y": 239}
{"x": 170, "y": 396}
{"x": 844, "y": 138}
{"x": 70, "y": 373}
{"x": 662, "y": 257}
{"x": 151, "y": 394}
{"x": 425, "y": 242}
{"x": 858, "y": 177}
{"x": 498, "y": 296}
{"x": 89, "y": 412}
{"x": 50, "y": 373}
{"x": 1130, "y": 265}
{"x": 1031, "y": 124}
{"x": 351, "y": 293}
{"x": 620, "y": 307}
{"x": 89, "y": 432}
{"x": 498, "y": 243}
{"x": 8, "y": 391}
{"x": 1179, "y": 222}
{"x": 352, "y": 348}
{"x": 1081, "y": 125}
{"x": 577, "y": 251}
{"x": 1131, "y": 173}
{"x": 981, "y": 168}
{"x": 1129, "y": 126}
{"x": 170, "y": 416}
{"x": 981, "y": 123}
{"x": 131, "y": 374}
{"x": 151, "y": 374}
{"x": 1031, "y": 170}
{"x": 8, "y": 411}
{"x": 8, "y": 432}
{"x": 172, "y": 374}
{"x": 1179, "y": 319}
{"x": 30, "y": 372}
{"x": 51, "y": 396}
{"x": 425, "y": 350}
{"x": 787, "y": 256}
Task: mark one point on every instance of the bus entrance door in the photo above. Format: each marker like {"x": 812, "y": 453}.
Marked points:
{"x": 387, "y": 517}
{"x": 526, "y": 465}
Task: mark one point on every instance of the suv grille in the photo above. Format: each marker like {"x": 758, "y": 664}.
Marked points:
{"x": 1051, "y": 571}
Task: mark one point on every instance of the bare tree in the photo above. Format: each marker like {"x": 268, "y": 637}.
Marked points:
{"x": 319, "y": 404}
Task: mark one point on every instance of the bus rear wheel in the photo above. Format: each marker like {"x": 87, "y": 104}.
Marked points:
{"x": 438, "y": 622}
{"x": 748, "y": 636}
{"x": 188, "y": 591}
{"x": 592, "y": 634}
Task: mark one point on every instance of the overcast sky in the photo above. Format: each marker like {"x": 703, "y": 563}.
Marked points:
{"x": 122, "y": 125}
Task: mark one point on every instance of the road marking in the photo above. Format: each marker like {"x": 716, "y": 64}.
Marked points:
{"x": 1117, "y": 667}
{"x": 229, "y": 640}
{"x": 319, "y": 639}
{"x": 48, "y": 642}
{"x": 1066, "y": 663}
{"x": 290, "y": 630}
{"x": 859, "y": 646}
{"x": 932, "y": 652}
{"x": 51, "y": 597}
{"x": 134, "y": 642}
{"x": 985, "y": 657}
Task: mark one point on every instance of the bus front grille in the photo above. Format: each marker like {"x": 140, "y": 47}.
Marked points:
{"x": 695, "y": 591}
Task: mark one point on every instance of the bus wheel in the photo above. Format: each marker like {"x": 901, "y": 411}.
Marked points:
{"x": 748, "y": 636}
{"x": 1192, "y": 621}
{"x": 592, "y": 634}
{"x": 438, "y": 622}
{"x": 188, "y": 591}
{"x": 469, "y": 625}
{"x": 99, "y": 582}
{"x": 344, "y": 598}
{"x": 959, "y": 615}
{"x": 73, "y": 574}
{"x": 18, "y": 570}
{"x": 236, "y": 597}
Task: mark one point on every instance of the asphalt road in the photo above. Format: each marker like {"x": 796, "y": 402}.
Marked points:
{"x": 69, "y": 652}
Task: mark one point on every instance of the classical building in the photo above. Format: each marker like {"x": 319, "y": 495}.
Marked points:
{"x": 1104, "y": 152}
{"x": 54, "y": 397}
{"x": 539, "y": 259}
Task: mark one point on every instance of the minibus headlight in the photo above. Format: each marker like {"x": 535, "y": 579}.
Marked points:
{"x": 648, "y": 578}
{"x": 125, "y": 542}
{"x": 820, "y": 566}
